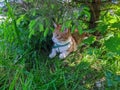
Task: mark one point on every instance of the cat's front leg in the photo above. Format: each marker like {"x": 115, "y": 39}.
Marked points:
{"x": 52, "y": 54}
{"x": 64, "y": 54}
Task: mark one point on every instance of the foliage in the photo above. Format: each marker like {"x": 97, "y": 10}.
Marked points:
{"x": 113, "y": 44}
{"x": 25, "y": 42}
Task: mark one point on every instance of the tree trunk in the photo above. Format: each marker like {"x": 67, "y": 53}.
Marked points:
{"x": 95, "y": 12}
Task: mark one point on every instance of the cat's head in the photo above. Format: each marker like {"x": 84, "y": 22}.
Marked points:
{"x": 60, "y": 36}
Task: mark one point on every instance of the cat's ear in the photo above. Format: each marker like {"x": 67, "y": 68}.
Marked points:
{"x": 66, "y": 30}
{"x": 55, "y": 25}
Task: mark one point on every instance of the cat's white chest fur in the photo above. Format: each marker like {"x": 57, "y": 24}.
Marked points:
{"x": 62, "y": 48}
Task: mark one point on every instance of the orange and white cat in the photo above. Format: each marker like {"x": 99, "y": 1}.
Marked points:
{"x": 64, "y": 42}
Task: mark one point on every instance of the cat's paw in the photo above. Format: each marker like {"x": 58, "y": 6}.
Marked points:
{"x": 62, "y": 56}
{"x": 52, "y": 55}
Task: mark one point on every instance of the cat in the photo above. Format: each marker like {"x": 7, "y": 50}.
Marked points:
{"x": 64, "y": 41}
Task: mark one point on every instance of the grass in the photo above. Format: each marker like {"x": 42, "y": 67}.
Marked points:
{"x": 79, "y": 71}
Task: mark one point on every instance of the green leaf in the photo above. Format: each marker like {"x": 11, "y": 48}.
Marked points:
{"x": 52, "y": 6}
{"x": 68, "y": 23}
{"x": 117, "y": 78}
{"x": 87, "y": 13}
{"x": 112, "y": 78}
{"x": 41, "y": 27}
{"x": 102, "y": 28}
{"x": 90, "y": 40}
{"x": 73, "y": 28}
{"x": 46, "y": 32}
{"x": 32, "y": 32}
{"x": 116, "y": 25}
{"x": 21, "y": 18}
{"x": 80, "y": 30}
{"x": 12, "y": 84}
{"x": 86, "y": 8}
{"x": 31, "y": 27}
{"x": 113, "y": 44}
{"x": 76, "y": 14}
{"x": 32, "y": 24}
{"x": 34, "y": 12}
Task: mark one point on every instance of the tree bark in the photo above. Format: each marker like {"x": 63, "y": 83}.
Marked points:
{"x": 95, "y": 12}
